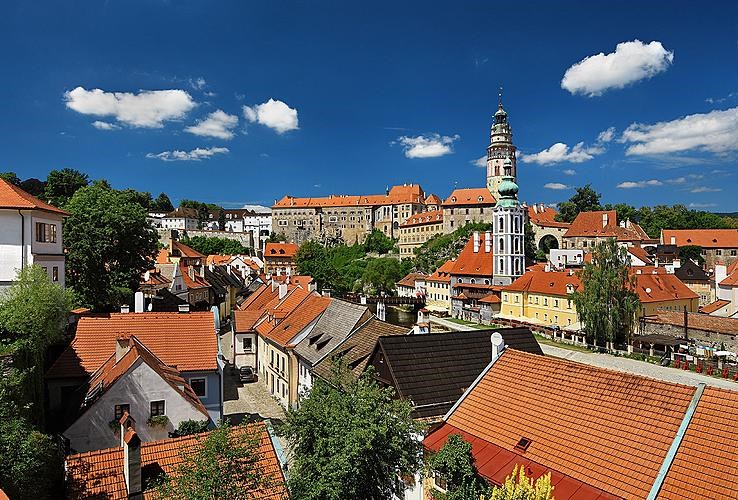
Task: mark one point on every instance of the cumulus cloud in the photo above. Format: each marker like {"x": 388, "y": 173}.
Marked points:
{"x": 569, "y": 171}
{"x": 196, "y": 154}
{"x": 714, "y": 132}
{"x": 639, "y": 184}
{"x": 556, "y": 186}
{"x": 274, "y": 114}
{"x": 705, "y": 189}
{"x": 480, "y": 162}
{"x": 104, "y": 125}
{"x": 427, "y": 146}
{"x": 631, "y": 62}
{"x": 148, "y": 108}
{"x": 560, "y": 152}
{"x": 702, "y": 205}
{"x": 217, "y": 124}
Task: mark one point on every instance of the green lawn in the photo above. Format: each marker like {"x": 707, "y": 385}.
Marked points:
{"x": 545, "y": 340}
{"x": 468, "y": 323}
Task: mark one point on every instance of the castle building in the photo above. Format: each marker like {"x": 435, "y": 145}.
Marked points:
{"x": 500, "y": 147}
{"x": 508, "y": 230}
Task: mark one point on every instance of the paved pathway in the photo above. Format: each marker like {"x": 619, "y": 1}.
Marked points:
{"x": 638, "y": 367}
{"x": 451, "y": 325}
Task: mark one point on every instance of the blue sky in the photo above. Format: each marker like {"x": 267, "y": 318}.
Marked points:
{"x": 312, "y": 98}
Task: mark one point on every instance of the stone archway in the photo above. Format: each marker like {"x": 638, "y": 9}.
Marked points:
{"x": 548, "y": 242}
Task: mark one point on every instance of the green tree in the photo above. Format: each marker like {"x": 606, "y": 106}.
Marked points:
{"x": 62, "y": 184}
{"x": 608, "y": 303}
{"x": 624, "y": 211}
{"x": 143, "y": 198}
{"x": 162, "y": 203}
{"x": 585, "y": 199}
{"x": 378, "y": 242}
{"x": 34, "y": 186}
{"x": 518, "y": 486}
{"x": 221, "y": 220}
{"x": 380, "y": 275}
{"x": 203, "y": 209}
{"x": 276, "y": 238}
{"x": 455, "y": 464}
{"x": 313, "y": 259}
{"x": 187, "y": 427}
{"x": 443, "y": 247}
{"x": 225, "y": 463}
{"x": 109, "y": 245}
{"x": 693, "y": 253}
{"x": 11, "y": 178}
{"x": 350, "y": 439}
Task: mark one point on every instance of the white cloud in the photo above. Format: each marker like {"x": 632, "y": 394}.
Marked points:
{"x": 198, "y": 83}
{"x": 631, "y": 62}
{"x": 639, "y": 184}
{"x": 217, "y": 124}
{"x": 569, "y": 171}
{"x": 606, "y": 135}
{"x": 104, "y": 125}
{"x": 702, "y": 205}
{"x": 427, "y": 146}
{"x": 705, "y": 189}
{"x": 196, "y": 154}
{"x": 714, "y": 132}
{"x": 276, "y": 115}
{"x": 559, "y": 153}
{"x": 148, "y": 108}
{"x": 556, "y": 185}
{"x": 480, "y": 162}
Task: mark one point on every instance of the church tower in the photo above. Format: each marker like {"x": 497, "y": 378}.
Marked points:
{"x": 500, "y": 147}
{"x": 508, "y": 230}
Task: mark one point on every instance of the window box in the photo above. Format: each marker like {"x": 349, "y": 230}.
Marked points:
{"x": 158, "y": 421}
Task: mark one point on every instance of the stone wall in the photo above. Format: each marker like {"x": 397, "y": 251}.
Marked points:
{"x": 246, "y": 239}
{"x": 700, "y": 336}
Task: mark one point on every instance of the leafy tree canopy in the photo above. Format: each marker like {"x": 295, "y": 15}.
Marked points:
{"x": 443, "y": 247}
{"x": 11, "y": 178}
{"x": 378, "y": 242}
{"x": 187, "y": 427}
{"x": 350, "y": 439}
{"x": 608, "y": 304}
{"x": 62, "y": 184}
{"x": 380, "y": 275}
{"x": 693, "y": 253}
{"x": 110, "y": 244}
{"x": 585, "y": 199}
{"x": 276, "y": 238}
{"x": 455, "y": 464}
{"x": 162, "y": 203}
{"x": 34, "y": 186}
{"x": 215, "y": 246}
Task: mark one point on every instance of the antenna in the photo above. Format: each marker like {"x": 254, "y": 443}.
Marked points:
{"x": 496, "y": 339}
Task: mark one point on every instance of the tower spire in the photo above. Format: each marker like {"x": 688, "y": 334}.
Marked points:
{"x": 499, "y": 94}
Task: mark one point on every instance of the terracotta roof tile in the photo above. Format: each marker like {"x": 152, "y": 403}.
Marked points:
{"x": 432, "y": 199}
{"x": 545, "y": 217}
{"x": 470, "y": 196}
{"x": 662, "y": 287}
{"x": 697, "y": 321}
{"x": 99, "y": 474}
{"x": 594, "y": 425}
{"x": 12, "y": 196}
{"x": 284, "y": 250}
{"x": 731, "y": 279}
{"x": 471, "y": 263}
{"x": 411, "y": 193}
{"x": 705, "y": 238}
{"x": 185, "y": 340}
{"x": 590, "y": 224}
{"x": 714, "y": 306}
{"x": 641, "y": 254}
{"x": 443, "y": 273}
{"x": 423, "y": 218}
{"x": 299, "y": 318}
{"x": 244, "y": 321}
{"x": 410, "y": 279}
{"x": 549, "y": 283}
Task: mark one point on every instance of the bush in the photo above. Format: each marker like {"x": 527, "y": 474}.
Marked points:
{"x": 187, "y": 427}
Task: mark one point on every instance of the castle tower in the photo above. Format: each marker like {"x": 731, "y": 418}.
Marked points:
{"x": 500, "y": 147}
{"x": 508, "y": 230}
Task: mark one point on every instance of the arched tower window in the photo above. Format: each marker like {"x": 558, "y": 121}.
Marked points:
{"x": 517, "y": 245}
{"x": 502, "y": 245}
{"x": 517, "y": 266}
{"x": 502, "y": 225}
{"x": 502, "y": 266}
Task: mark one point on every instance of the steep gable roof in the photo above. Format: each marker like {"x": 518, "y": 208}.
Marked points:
{"x": 11, "y": 196}
{"x": 689, "y": 271}
{"x": 546, "y": 283}
{"x": 433, "y": 370}
{"x": 594, "y": 425}
{"x": 284, "y": 250}
{"x": 443, "y": 273}
{"x": 99, "y": 474}
{"x": 471, "y": 263}
{"x": 705, "y": 238}
{"x": 602, "y": 224}
{"x": 296, "y": 320}
{"x": 641, "y": 254}
{"x": 470, "y": 196}
{"x": 185, "y": 340}
{"x": 544, "y": 217}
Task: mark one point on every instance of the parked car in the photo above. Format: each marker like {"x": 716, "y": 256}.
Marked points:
{"x": 246, "y": 374}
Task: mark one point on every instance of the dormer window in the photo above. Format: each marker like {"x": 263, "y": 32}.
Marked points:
{"x": 453, "y": 199}
{"x": 480, "y": 199}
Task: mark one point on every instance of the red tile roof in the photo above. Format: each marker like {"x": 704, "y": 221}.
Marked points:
{"x": 594, "y": 425}
{"x": 304, "y": 314}
{"x": 547, "y": 283}
{"x": 111, "y": 371}
{"x": 283, "y": 250}
{"x": 218, "y": 259}
{"x": 697, "y": 321}
{"x": 641, "y": 254}
{"x": 245, "y": 321}
{"x": 100, "y": 473}
{"x": 544, "y": 217}
{"x": 409, "y": 280}
{"x": 411, "y": 193}
{"x": 432, "y": 199}
{"x": 185, "y": 340}
{"x": 260, "y": 297}
{"x": 470, "y": 196}
{"x": 195, "y": 281}
{"x": 423, "y": 218}
{"x": 471, "y": 263}
{"x": 590, "y": 224}
{"x": 714, "y": 306}
{"x": 662, "y": 287}
{"x": 490, "y": 299}
{"x": 442, "y": 274}
{"x": 12, "y": 196}
{"x": 731, "y": 279}
{"x": 706, "y": 464}
{"x": 705, "y": 238}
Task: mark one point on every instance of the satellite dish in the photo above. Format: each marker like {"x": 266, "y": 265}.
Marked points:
{"x": 497, "y": 339}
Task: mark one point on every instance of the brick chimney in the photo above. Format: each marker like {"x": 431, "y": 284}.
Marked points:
{"x": 487, "y": 241}
{"x": 122, "y": 346}
{"x": 605, "y": 219}
{"x": 132, "y": 464}
{"x": 476, "y": 241}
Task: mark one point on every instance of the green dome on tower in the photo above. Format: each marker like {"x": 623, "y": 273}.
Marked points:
{"x": 508, "y": 189}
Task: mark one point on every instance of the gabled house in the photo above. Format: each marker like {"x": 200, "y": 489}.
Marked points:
{"x": 438, "y": 288}
{"x": 432, "y": 371}
{"x": 472, "y": 275}
{"x": 590, "y": 228}
{"x": 185, "y": 341}
{"x": 412, "y": 285}
{"x": 465, "y": 205}
{"x": 129, "y": 469}
{"x": 718, "y": 245}
{"x": 185, "y": 268}
{"x": 695, "y": 278}
{"x": 31, "y": 232}
{"x": 601, "y": 434}
{"x": 181, "y": 218}
{"x": 136, "y": 381}
{"x": 279, "y": 258}
{"x": 726, "y": 290}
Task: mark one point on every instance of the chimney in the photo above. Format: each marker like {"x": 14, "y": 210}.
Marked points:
{"x": 122, "y": 346}
{"x": 132, "y": 463}
{"x": 476, "y": 241}
{"x": 184, "y": 308}
{"x": 282, "y": 290}
{"x": 138, "y": 302}
{"x": 147, "y": 275}
{"x": 542, "y": 208}
{"x": 125, "y": 309}
{"x": 605, "y": 219}
{"x": 677, "y": 263}
{"x": 673, "y": 240}
{"x": 638, "y": 271}
{"x": 535, "y": 208}
{"x": 125, "y": 422}
{"x": 487, "y": 241}
{"x": 191, "y": 272}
